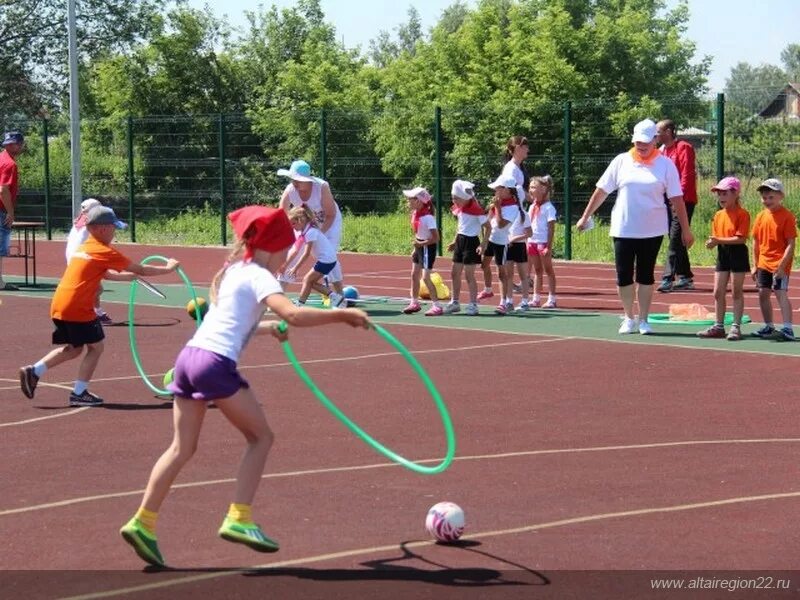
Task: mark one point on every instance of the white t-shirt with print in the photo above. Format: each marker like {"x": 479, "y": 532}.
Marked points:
{"x": 519, "y": 225}
{"x": 321, "y": 247}
{"x": 231, "y": 321}
{"x": 499, "y": 235}
{"x": 470, "y": 225}
{"x": 540, "y": 224}
{"x": 427, "y": 224}
{"x": 639, "y": 211}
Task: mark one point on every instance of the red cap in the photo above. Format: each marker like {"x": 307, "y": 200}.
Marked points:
{"x": 270, "y": 229}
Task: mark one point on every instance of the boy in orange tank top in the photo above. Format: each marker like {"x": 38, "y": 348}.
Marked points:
{"x": 774, "y": 234}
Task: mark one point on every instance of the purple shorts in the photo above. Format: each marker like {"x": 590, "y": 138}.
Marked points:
{"x": 205, "y": 375}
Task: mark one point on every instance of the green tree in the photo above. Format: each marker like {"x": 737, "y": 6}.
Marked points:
{"x": 33, "y": 54}
{"x": 753, "y": 88}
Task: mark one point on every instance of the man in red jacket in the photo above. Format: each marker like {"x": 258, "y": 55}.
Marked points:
{"x": 13, "y": 145}
{"x": 681, "y": 153}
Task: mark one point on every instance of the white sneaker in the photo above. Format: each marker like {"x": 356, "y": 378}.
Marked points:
{"x": 452, "y": 307}
{"x": 337, "y": 300}
{"x": 628, "y": 326}
{"x": 645, "y": 328}
{"x": 472, "y": 309}
{"x": 523, "y": 307}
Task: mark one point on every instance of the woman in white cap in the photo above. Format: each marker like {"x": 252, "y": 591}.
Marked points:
{"x": 315, "y": 193}
{"x": 641, "y": 177}
{"x": 76, "y": 237}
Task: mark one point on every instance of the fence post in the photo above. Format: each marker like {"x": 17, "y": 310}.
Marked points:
{"x": 568, "y": 180}
{"x": 222, "y": 188}
{"x": 437, "y": 170}
{"x": 323, "y": 145}
{"x": 720, "y": 136}
{"x": 46, "y": 161}
{"x": 131, "y": 193}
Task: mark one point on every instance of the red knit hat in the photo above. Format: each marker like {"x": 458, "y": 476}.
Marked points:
{"x": 270, "y": 229}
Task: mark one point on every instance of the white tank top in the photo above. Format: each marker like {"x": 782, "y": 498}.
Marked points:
{"x": 314, "y": 202}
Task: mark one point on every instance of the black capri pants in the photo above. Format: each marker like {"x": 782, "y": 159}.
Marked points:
{"x": 636, "y": 255}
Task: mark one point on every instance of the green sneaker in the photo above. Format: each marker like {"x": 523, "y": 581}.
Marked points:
{"x": 143, "y": 542}
{"x": 249, "y": 535}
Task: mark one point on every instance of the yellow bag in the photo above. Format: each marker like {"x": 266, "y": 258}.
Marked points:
{"x": 442, "y": 291}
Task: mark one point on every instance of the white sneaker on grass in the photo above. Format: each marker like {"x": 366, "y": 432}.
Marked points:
{"x": 471, "y": 310}
{"x": 452, "y": 307}
{"x": 645, "y": 328}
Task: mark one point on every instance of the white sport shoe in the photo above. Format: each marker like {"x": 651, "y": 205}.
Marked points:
{"x": 471, "y": 310}
{"x": 452, "y": 307}
{"x": 337, "y": 300}
{"x": 628, "y": 326}
{"x": 645, "y": 328}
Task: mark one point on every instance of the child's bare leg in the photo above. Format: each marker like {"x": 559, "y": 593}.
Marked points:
{"x": 504, "y": 274}
{"x": 90, "y": 360}
{"x": 486, "y": 267}
{"x": 245, "y": 413}
{"x": 737, "y": 291}
{"x": 187, "y": 417}
{"x": 416, "y": 274}
{"x": 720, "y": 289}
{"x": 785, "y": 305}
{"x": 472, "y": 284}
{"x": 524, "y": 278}
{"x": 455, "y": 279}
{"x": 309, "y": 281}
{"x": 59, "y": 355}
{"x": 538, "y": 270}
{"x": 765, "y": 302}
{"x": 547, "y": 265}
{"x": 426, "y": 276}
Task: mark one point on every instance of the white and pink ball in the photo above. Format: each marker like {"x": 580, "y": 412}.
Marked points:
{"x": 445, "y": 521}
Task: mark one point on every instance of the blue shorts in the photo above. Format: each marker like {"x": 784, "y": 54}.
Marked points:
{"x": 324, "y": 268}
{"x": 5, "y": 234}
{"x": 204, "y": 375}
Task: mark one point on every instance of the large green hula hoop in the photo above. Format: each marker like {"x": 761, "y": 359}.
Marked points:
{"x": 131, "y": 330}
{"x": 369, "y": 440}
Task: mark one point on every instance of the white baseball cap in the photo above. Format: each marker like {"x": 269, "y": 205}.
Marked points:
{"x": 504, "y": 181}
{"x": 463, "y": 189}
{"x": 89, "y": 203}
{"x": 644, "y": 131}
{"x": 418, "y": 192}
{"x": 776, "y": 185}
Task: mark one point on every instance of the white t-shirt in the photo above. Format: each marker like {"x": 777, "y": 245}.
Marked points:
{"x": 231, "y": 321}
{"x": 314, "y": 202}
{"x": 512, "y": 169}
{"x": 76, "y": 237}
{"x": 321, "y": 248}
{"x": 499, "y": 235}
{"x": 547, "y": 214}
{"x": 470, "y": 225}
{"x": 519, "y": 225}
{"x": 427, "y": 224}
{"x": 640, "y": 211}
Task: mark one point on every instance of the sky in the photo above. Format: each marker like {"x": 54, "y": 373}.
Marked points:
{"x": 729, "y": 31}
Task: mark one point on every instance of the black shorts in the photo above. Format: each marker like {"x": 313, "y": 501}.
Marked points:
{"x": 635, "y": 259}
{"x": 766, "y": 280}
{"x": 733, "y": 258}
{"x": 425, "y": 256}
{"x": 499, "y": 251}
{"x": 466, "y": 250}
{"x": 77, "y": 333}
{"x": 517, "y": 252}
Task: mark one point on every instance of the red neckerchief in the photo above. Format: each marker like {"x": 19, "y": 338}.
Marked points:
{"x": 80, "y": 222}
{"x": 427, "y": 209}
{"x": 470, "y": 208}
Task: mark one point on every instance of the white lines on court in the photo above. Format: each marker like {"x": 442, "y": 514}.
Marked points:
{"x": 45, "y": 418}
{"x": 335, "y": 359}
{"x": 475, "y": 457}
{"x": 156, "y": 585}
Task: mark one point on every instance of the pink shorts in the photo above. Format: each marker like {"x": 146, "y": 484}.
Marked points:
{"x": 536, "y": 249}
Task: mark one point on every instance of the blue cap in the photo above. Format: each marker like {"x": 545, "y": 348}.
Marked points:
{"x": 103, "y": 215}
{"x": 13, "y": 137}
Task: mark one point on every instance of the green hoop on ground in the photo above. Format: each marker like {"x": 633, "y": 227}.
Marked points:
{"x": 131, "y": 328}
{"x": 352, "y": 426}
{"x": 663, "y": 319}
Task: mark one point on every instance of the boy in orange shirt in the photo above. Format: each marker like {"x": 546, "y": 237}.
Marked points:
{"x": 729, "y": 230}
{"x": 774, "y": 233}
{"x": 72, "y": 307}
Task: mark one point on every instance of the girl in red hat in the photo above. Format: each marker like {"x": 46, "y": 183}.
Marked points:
{"x": 206, "y": 370}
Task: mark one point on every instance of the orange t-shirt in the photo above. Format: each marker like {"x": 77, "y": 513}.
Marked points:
{"x": 730, "y": 223}
{"x": 771, "y": 231}
{"x": 76, "y": 292}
